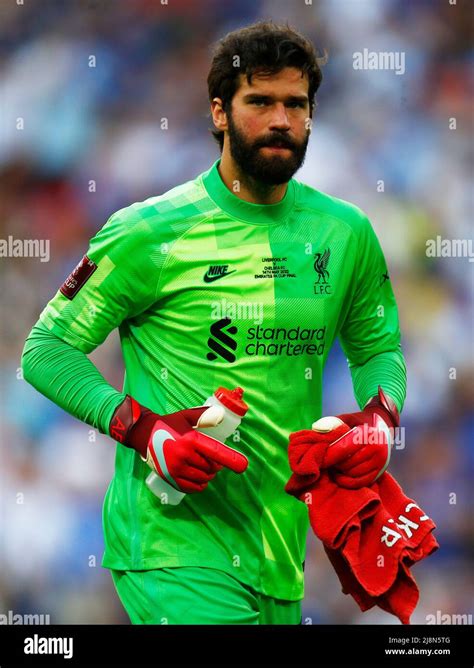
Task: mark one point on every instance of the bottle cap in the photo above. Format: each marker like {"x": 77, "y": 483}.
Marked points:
{"x": 232, "y": 399}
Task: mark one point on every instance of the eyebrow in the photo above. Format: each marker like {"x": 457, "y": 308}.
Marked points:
{"x": 262, "y": 96}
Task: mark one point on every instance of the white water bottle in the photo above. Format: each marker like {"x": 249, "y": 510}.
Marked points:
{"x": 226, "y": 410}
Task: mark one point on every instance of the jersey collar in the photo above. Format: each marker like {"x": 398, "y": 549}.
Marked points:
{"x": 257, "y": 214}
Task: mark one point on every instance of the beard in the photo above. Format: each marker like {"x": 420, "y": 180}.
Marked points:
{"x": 269, "y": 170}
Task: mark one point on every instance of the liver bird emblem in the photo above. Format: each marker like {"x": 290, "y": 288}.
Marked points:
{"x": 320, "y": 263}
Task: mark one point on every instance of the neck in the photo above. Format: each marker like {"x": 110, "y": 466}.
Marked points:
{"x": 249, "y": 189}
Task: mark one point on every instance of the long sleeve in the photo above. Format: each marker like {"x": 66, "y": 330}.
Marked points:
{"x": 370, "y": 334}
{"x": 107, "y": 287}
{"x": 65, "y": 375}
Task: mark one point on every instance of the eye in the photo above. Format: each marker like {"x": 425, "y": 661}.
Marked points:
{"x": 259, "y": 102}
{"x": 295, "y": 104}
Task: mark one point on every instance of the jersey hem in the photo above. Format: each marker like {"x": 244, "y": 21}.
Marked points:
{"x": 295, "y": 594}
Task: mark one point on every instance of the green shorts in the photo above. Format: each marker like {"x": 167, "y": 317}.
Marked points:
{"x": 195, "y": 595}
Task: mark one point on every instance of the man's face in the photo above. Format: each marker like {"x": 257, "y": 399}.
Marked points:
{"x": 268, "y": 125}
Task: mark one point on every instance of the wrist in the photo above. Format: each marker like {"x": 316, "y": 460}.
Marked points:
{"x": 385, "y": 407}
{"x": 128, "y": 425}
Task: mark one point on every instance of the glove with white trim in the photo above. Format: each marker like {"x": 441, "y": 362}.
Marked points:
{"x": 172, "y": 446}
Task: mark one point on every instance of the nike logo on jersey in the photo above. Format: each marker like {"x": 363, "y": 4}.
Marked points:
{"x": 217, "y": 271}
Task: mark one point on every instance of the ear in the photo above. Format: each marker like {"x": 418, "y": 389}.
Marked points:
{"x": 219, "y": 116}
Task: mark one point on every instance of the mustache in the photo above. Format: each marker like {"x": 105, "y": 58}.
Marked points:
{"x": 275, "y": 141}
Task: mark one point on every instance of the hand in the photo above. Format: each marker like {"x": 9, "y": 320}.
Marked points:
{"x": 362, "y": 454}
{"x": 358, "y": 444}
{"x": 171, "y": 446}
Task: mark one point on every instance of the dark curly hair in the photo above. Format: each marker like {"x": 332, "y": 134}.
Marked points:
{"x": 261, "y": 47}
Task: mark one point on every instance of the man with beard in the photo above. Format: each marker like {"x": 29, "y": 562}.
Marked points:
{"x": 232, "y": 552}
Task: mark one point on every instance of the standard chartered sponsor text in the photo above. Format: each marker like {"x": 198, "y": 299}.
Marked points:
{"x": 285, "y": 341}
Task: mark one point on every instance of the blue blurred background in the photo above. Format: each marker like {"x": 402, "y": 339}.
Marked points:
{"x": 92, "y": 142}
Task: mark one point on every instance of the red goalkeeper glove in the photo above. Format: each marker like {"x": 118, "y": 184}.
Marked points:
{"x": 172, "y": 447}
{"x": 359, "y": 443}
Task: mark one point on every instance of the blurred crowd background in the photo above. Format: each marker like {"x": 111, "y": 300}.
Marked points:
{"x": 92, "y": 142}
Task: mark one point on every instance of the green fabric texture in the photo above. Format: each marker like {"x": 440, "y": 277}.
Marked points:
{"x": 208, "y": 290}
{"x": 65, "y": 375}
{"x": 386, "y": 369}
{"x": 198, "y": 596}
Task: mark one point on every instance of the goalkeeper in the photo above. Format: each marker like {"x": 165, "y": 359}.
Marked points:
{"x": 232, "y": 552}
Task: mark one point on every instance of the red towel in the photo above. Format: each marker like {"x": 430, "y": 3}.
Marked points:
{"x": 372, "y": 535}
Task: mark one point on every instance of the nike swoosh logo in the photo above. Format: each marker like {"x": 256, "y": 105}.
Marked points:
{"x": 159, "y": 438}
{"x": 211, "y": 279}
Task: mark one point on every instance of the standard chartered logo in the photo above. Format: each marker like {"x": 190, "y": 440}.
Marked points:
{"x": 267, "y": 341}
{"x": 220, "y": 343}
{"x": 291, "y": 341}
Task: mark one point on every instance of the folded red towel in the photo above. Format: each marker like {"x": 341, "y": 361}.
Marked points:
{"x": 372, "y": 535}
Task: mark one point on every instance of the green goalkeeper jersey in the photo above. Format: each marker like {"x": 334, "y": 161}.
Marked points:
{"x": 209, "y": 290}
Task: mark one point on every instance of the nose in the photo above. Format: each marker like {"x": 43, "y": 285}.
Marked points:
{"x": 279, "y": 119}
